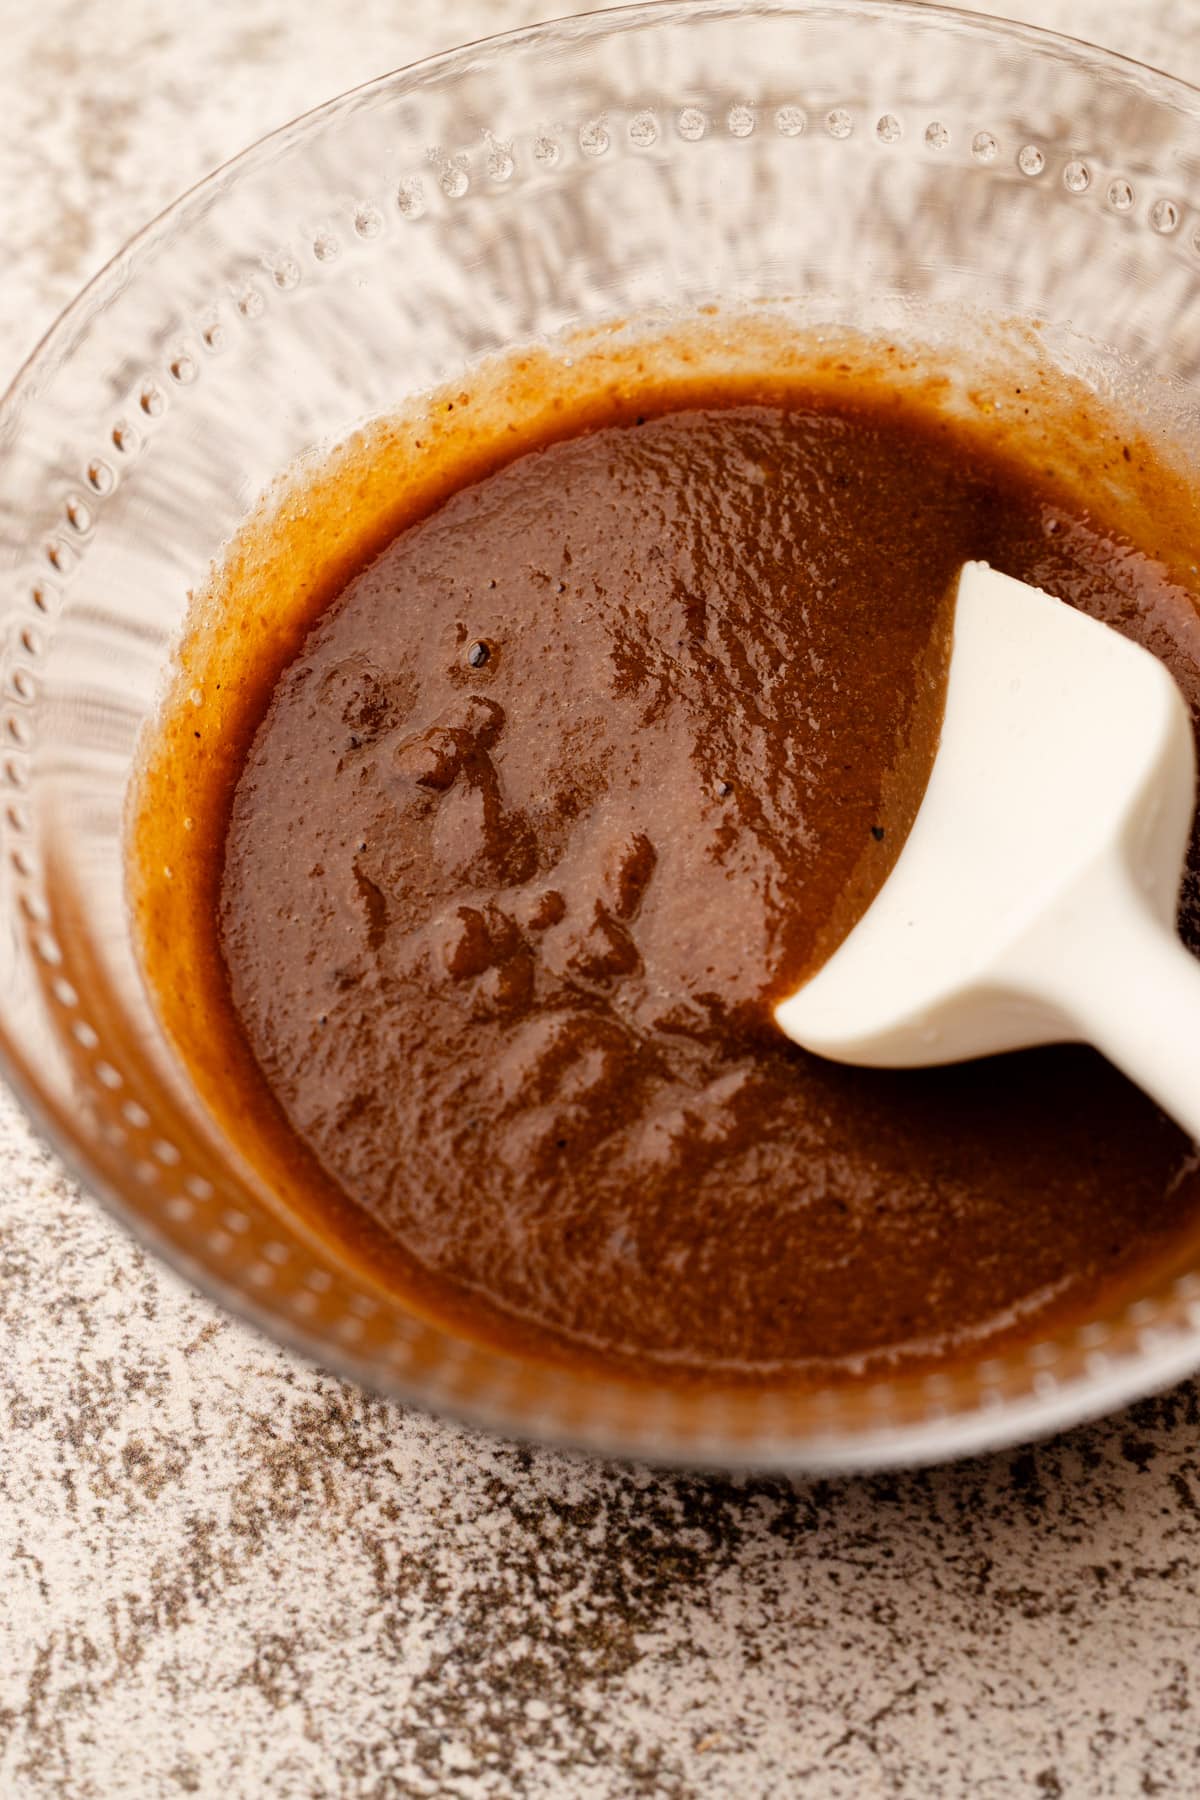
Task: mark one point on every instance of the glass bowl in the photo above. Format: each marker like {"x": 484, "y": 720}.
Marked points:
{"x": 872, "y": 163}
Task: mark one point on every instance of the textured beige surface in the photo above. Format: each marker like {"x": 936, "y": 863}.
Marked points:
{"x": 227, "y": 1574}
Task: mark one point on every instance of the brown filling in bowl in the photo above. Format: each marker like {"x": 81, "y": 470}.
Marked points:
{"x": 554, "y": 787}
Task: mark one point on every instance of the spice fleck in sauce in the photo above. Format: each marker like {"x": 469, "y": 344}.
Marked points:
{"x": 558, "y": 793}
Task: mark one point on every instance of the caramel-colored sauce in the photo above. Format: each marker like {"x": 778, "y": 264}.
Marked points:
{"x": 519, "y": 791}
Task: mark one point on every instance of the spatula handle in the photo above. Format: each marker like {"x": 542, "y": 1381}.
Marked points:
{"x": 1139, "y": 1002}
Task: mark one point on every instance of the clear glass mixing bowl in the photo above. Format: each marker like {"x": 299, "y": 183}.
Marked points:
{"x": 865, "y": 162}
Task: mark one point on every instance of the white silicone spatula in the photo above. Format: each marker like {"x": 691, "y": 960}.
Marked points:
{"x": 1034, "y": 899}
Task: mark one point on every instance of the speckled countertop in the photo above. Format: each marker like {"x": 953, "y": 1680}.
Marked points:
{"x": 227, "y": 1574}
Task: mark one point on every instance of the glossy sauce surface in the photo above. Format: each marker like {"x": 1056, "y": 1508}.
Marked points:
{"x": 559, "y": 794}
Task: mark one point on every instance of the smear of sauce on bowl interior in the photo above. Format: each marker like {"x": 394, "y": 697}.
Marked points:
{"x": 545, "y": 777}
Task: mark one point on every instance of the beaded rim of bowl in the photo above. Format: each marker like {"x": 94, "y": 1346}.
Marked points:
{"x": 276, "y": 1289}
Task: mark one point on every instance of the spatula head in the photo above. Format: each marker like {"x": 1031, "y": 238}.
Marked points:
{"x": 1064, "y": 749}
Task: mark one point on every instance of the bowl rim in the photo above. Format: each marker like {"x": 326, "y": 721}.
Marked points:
{"x": 600, "y": 21}
{"x": 971, "y": 1431}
